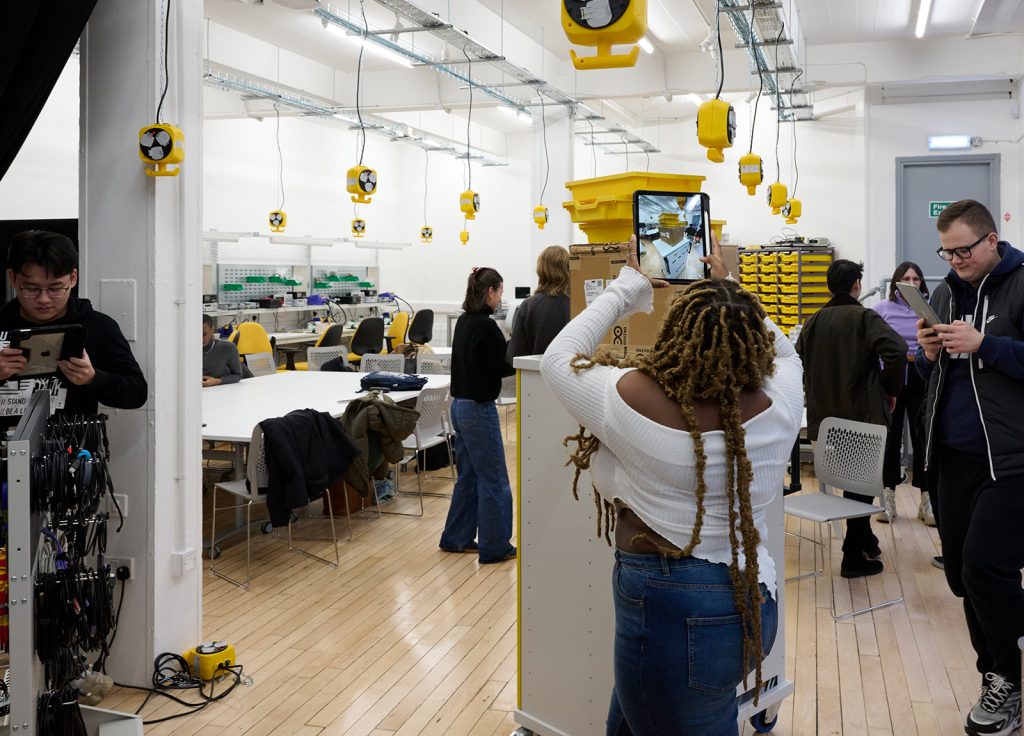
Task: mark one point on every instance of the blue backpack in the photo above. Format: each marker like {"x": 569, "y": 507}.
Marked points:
{"x": 387, "y": 381}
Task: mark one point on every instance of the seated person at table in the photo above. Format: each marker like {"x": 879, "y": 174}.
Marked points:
{"x": 43, "y": 269}
{"x": 220, "y": 357}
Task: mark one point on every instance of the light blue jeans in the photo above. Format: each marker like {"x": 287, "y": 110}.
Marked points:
{"x": 678, "y": 647}
{"x": 481, "y": 505}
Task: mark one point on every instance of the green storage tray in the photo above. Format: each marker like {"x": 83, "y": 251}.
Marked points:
{"x": 276, "y": 280}
{"x": 231, "y": 287}
{"x": 321, "y": 285}
{"x": 348, "y": 277}
{"x": 255, "y": 279}
{"x": 365, "y": 285}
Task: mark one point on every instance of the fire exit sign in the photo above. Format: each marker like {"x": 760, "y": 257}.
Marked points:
{"x": 935, "y": 208}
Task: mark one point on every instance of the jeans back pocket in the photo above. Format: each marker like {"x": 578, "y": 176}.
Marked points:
{"x": 716, "y": 653}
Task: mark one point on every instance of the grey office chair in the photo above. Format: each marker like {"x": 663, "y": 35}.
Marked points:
{"x": 394, "y": 363}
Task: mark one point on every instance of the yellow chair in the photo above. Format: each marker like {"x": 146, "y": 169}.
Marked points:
{"x": 396, "y": 333}
{"x": 250, "y": 338}
{"x": 333, "y": 336}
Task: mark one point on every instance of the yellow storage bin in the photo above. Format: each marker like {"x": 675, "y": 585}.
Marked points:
{"x": 813, "y": 279}
{"x": 748, "y": 267}
{"x": 805, "y": 289}
{"x": 818, "y": 299}
{"x": 789, "y": 320}
{"x": 767, "y": 257}
{"x": 791, "y": 257}
{"x": 623, "y": 185}
{"x": 769, "y": 298}
{"x": 806, "y": 268}
{"x": 748, "y": 258}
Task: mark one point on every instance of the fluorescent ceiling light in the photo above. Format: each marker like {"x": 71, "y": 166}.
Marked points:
{"x": 517, "y": 114}
{"x": 646, "y": 45}
{"x": 922, "y": 17}
{"x": 371, "y": 46}
{"x": 948, "y": 142}
{"x": 219, "y": 236}
{"x": 376, "y": 244}
{"x": 695, "y": 99}
{"x": 300, "y": 240}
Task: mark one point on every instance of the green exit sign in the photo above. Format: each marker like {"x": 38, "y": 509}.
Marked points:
{"x": 935, "y": 208}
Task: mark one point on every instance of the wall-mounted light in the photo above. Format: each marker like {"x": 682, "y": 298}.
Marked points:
{"x": 369, "y": 45}
{"x": 952, "y": 142}
{"x": 224, "y": 236}
{"x": 646, "y": 45}
{"x": 378, "y": 245}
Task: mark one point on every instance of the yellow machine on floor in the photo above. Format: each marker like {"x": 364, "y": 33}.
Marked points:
{"x": 210, "y": 660}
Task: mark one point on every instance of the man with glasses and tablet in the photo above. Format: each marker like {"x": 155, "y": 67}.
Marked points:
{"x": 58, "y": 342}
{"x": 972, "y": 355}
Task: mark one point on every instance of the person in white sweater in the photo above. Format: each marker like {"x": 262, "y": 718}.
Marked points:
{"x": 688, "y": 446}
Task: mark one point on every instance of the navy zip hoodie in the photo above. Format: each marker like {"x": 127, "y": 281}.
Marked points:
{"x": 958, "y": 423}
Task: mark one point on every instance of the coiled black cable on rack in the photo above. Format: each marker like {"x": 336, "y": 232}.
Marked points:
{"x": 58, "y": 714}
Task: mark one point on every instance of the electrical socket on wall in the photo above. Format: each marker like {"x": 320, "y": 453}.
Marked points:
{"x": 116, "y": 562}
{"x": 122, "y": 503}
{"x": 183, "y": 562}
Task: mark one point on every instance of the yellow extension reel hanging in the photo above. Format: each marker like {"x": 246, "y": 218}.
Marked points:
{"x": 777, "y": 195}
{"x": 602, "y": 23}
{"x": 792, "y": 210}
{"x": 161, "y": 146}
{"x": 540, "y": 216}
{"x": 358, "y": 227}
{"x": 426, "y": 233}
{"x": 469, "y": 204}
{"x": 716, "y": 127}
{"x": 277, "y": 219}
{"x": 361, "y": 183}
{"x": 751, "y": 172}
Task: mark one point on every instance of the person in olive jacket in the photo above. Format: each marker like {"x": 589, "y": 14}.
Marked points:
{"x": 854, "y": 367}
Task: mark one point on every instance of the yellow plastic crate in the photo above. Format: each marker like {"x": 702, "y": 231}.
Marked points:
{"x": 623, "y": 185}
{"x": 767, "y": 257}
{"x": 792, "y": 256}
{"x": 806, "y": 289}
{"x": 769, "y": 298}
{"x": 795, "y": 279}
{"x": 789, "y": 320}
{"x": 748, "y": 258}
{"x": 806, "y": 268}
{"x": 817, "y": 299}
{"x": 748, "y": 267}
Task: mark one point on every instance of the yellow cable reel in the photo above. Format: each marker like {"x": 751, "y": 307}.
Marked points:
{"x": 777, "y": 194}
{"x": 469, "y": 204}
{"x": 361, "y": 183}
{"x": 751, "y": 172}
{"x": 277, "y": 219}
{"x": 792, "y": 210}
{"x": 358, "y": 227}
{"x": 602, "y": 23}
{"x": 426, "y": 233}
{"x": 716, "y": 127}
{"x": 161, "y": 146}
{"x": 540, "y": 216}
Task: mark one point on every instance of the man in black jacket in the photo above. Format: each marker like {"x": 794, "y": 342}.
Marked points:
{"x": 841, "y": 347}
{"x": 974, "y": 365}
{"x": 43, "y": 269}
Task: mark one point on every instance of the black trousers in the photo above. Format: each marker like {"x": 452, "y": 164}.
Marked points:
{"x": 908, "y": 408}
{"x": 859, "y": 537}
{"x": 981, "y": 525}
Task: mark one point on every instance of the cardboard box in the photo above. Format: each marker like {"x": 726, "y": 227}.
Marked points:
{"x": 730, "y": 254}
{"x": 591, "y": 268}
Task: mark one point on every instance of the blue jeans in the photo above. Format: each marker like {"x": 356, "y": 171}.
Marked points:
{"x": 481, "y": 506}
{"x": 678, "y": 647}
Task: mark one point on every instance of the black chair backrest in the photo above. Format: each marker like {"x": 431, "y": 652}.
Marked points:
{"x": 422, "y": 327}
{"x": 332, "y": 337}
{"x": 369, "y": 337}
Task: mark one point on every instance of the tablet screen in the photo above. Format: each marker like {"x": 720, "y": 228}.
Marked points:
{"x": 672, "y": 231}
{"x": 916, "y": 301}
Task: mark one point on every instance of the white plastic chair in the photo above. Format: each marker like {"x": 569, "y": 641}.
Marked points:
{"x": 507, "y": 398}
{"x": 392, "y": 363}
{"x": 431, "y": 430}
{"x": 247, "y": 490}
{"x": 316, "y": 357}
{"x": 849, "y": 457}
{"x": 431, "y": 364}
{"x": 261, "y": 364}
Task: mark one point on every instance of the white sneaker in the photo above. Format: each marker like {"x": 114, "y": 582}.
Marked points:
{"x": 924, "y": 510}
{"x": 997, "y": 712}
{"x": 889, "y": 504}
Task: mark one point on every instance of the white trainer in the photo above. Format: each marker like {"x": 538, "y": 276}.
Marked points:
{"x": 997, "y": 712}
{"x": 924, "y": 510}
{"x": 889, "y": 504}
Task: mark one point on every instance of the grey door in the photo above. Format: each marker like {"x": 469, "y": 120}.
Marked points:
{"x": 923, "y": 183}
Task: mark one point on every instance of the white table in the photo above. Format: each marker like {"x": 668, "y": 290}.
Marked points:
{"x": 230, "y": 412}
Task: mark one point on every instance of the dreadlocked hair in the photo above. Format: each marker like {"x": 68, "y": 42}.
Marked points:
{"x": 712, "y": 346}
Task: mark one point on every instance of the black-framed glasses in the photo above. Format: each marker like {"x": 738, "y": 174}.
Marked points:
{"x": 962, "y": 253}
{"x": 33, "y": 292}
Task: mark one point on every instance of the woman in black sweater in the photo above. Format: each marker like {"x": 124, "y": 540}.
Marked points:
{"x": 480, "y": 515}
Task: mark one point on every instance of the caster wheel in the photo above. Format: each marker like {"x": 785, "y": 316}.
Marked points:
{"x": 266, "y": 527}
{"x": 215, "y": 552}
{"x": 761, "y": 724}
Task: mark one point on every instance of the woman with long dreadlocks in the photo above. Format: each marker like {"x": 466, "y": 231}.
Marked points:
{"x": 687, "y": 447}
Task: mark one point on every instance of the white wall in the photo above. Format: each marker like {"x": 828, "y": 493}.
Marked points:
{"x": 903, "y": 130}
{"x": 43, "y": 180}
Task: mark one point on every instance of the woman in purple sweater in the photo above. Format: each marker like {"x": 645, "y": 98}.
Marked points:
{"x": 902, "y": 318}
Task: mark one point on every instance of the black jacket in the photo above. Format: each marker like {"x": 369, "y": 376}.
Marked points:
{"x": 996, "y": 370}
{"x": 478, "y": 357}
{"x": 306, "y": 451}
{"x": 119, "y": 382}
{"x": 538, "y": 321}
{"x": 841, "y": 347}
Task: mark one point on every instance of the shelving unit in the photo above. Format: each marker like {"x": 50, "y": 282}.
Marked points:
{"x": 789, "y": 280}
{"x": 26, "y": 676}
